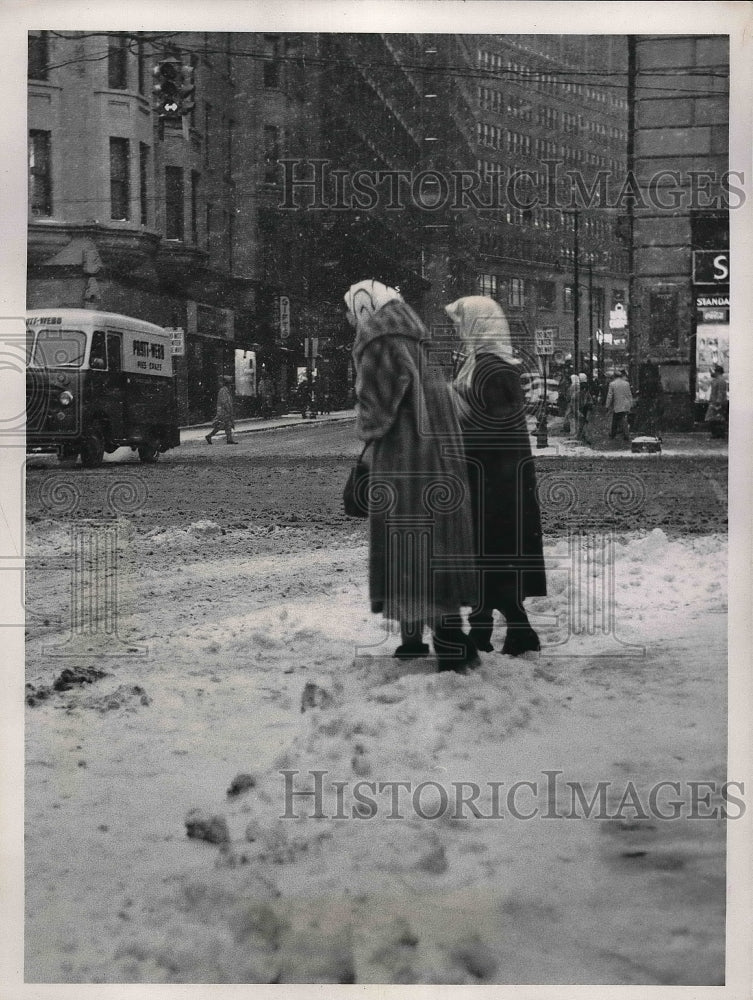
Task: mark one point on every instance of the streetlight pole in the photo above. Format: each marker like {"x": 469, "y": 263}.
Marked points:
{"x": 576, "y": 297}
{"x": 591, "y": 317}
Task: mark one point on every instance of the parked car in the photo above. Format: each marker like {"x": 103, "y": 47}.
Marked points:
{"x": 533, "y": 390}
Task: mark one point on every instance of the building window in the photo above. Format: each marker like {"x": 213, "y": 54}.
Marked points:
{"x": 141, "y": 63}
{"x": 487, "y": 285}
{"x": 271, "y": 63}
{"x": 117, "y": 62}
{"x": 547, "y": 295}
{"x": 567, "y": 299}
{"x": 208, "y": 224}
{"x": 39, "y": 55}
{"x": 271, "y": 153}
{"x": 195, "y": 183}
{"x": 144, "y": 182}
{"x": 174, "y": 203}
{"x": 40, "y": 173}
{"x": 517, "y": 292}
{"x": 120, "y": 188}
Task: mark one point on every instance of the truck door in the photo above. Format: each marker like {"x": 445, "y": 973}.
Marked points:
{"x": 116, "y": 380}
{"x": 105, "y": 378}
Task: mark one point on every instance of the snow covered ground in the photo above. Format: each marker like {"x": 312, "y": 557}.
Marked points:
{"x": 256, "y": 656}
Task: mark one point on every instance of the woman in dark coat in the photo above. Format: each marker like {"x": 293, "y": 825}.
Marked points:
{"x": 420, "y": 520}
{"x": 501, "y": 474}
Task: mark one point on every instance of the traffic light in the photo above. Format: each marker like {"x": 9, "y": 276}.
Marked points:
{"x": 187, "y": 90}
{"x": 167, "y": 87}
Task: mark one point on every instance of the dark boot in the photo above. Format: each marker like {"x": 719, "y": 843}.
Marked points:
{"x": 454, "y": 649}
{"x": 482, "y": 624}
{"x": 520, "y": 638}
{"x": 411, "y": 646}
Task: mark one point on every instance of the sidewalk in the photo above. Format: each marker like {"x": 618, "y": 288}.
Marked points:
{"x": 697, "y": 444}
{"x": 675, "y": 444}
{"x": 249, "y": 425}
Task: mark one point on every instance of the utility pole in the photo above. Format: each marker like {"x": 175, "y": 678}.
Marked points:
{"x": 632, "y": 338}
{"x": 576, "y": 298}
{"x": 591, "y": 318}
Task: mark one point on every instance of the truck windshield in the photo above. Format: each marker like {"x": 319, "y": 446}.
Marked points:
{"x": 48, "y": 348}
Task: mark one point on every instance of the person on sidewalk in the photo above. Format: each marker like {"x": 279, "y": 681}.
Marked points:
{"x": 619, "y": 404}
{"x": 585, "y": 408}
{"x": 573, "y": 407}
{"x": 716, "y": 412}
{"x": 419, "y": 498}
{"x": 507, "y": 518}
{"x": 224, "y": 416}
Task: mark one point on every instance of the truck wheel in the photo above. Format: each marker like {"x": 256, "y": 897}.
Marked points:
{"x": 149, "y": 452}
{"x": 92, "y": 447}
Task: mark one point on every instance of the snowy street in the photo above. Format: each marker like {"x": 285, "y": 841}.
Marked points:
{"x": 249, "y": 660}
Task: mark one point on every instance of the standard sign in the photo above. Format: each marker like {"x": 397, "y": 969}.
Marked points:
{"x": 544, "y": 342}
{"x": 711, "y": 267}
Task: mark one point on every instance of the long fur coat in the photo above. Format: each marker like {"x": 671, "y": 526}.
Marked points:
{"x": 420, "y": 521}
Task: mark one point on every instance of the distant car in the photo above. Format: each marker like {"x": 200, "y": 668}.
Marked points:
{"x": 533, "y": 390}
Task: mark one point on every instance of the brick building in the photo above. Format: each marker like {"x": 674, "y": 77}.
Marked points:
{"x": 680, "y": 223}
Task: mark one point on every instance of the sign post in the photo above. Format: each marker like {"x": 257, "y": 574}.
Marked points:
{"x": 544, "y": 340}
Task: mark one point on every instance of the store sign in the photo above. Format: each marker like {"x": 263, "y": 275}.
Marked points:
{"x": 712, "y": 308}
{"x": 618, "y": 319}
{"x": 177, "y": 340}
{"x": 711, "y": 267}
{"x": 284, "y": 317}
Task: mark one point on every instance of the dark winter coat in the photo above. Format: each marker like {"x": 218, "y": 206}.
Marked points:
{"x": 503, "y": 482}
{"x": 224, "y": 413}
{"x": 420, "y": 510}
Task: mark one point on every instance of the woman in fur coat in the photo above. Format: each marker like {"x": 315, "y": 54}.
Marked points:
{"x": 420, "y": 518}
{"x": 501, "y": 473}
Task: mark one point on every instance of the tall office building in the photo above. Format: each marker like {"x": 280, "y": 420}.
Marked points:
{"x": 551, "y": 121}
{"x": 680, "y": 223}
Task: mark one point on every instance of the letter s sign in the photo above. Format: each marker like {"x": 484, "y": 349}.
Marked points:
{"x": 721, "y": 267}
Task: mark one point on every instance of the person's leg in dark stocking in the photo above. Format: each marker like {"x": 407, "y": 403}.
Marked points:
{"x": 482, "y": 625}
{"x": 520, "y": 637}
{"x": 411, "y": 634}
{"x": 454, "y": 649}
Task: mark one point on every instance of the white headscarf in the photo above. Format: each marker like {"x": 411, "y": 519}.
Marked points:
{"x": 483, "y": 329}
{"x": 367, "y": 297}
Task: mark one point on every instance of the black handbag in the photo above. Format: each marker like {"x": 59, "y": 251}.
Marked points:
{"x": 355, "y": 494}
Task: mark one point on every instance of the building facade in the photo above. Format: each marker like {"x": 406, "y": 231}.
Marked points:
{"x": 309, "y": 162}
{"x": 680, "y": 221}
{"x": 551, "y": 149}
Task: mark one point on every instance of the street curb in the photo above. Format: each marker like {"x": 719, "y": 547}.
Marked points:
{"x": 317, "y": 421}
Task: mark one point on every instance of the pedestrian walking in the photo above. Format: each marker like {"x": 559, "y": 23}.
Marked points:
{"x": 585, "y": 409}
{"x": 264, "y": 390}
{"x": 716, "y": 411}
{"x": 420, "y": 509}
{"x": 619, "y": 403}
{"x": 224, "y": 419}
{"x": 501, "y": 472}
{"x": 573, "y": 407}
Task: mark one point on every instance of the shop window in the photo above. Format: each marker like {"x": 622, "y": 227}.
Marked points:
{"x": 40, "y": 173}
